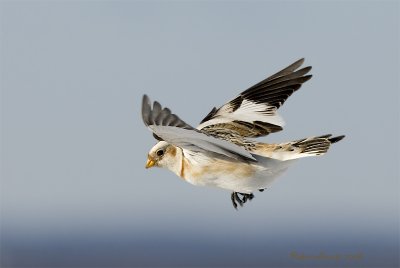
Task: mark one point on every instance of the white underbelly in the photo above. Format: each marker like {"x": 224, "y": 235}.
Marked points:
{"x": 238, "y": 177}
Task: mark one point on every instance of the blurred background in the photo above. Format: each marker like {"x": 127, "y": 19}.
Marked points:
{"x": 74, "y": 191}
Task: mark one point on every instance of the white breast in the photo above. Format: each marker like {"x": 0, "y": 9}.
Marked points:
{"x": 233, "y": 175}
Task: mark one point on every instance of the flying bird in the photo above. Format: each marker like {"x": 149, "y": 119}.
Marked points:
{"x": 221, "y": 151}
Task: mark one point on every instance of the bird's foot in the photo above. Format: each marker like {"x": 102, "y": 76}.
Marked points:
{"x": 237, "y": 200}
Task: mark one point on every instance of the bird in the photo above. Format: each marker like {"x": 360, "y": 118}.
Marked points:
{"x": 223, "y": 150}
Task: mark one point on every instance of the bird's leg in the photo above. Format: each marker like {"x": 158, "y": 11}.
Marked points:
{"x": 246, "y": 197}
{"x": 233, "y": 200}
{"x": 237, "y": 198}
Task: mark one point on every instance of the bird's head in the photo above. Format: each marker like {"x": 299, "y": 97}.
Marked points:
{"x": 162, "y": 154}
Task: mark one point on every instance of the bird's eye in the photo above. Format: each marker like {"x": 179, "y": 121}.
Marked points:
{"x": 160, "y": 152}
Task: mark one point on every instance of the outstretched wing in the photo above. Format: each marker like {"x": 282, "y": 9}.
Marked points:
{"x": 170, "y": 128}
{"x": 253, "y": 112}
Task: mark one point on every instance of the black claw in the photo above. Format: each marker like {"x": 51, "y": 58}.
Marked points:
{"x": 250, "y": 196}
{"x": 261, "y": 190}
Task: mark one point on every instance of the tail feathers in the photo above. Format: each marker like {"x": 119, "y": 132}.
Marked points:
{"x": 336, "y": 139}
{"x": 297, "y": 149}
{"x": 313, "y": 146}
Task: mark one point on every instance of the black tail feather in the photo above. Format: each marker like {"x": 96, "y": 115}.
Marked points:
{"x": 336, "y": 139}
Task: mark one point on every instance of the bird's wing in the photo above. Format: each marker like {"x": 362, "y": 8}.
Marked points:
{"x": 170, "y": 128}
{"x": 253, "y": 112}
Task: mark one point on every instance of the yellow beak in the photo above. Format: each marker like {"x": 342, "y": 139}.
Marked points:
{"x": 150, "y": 163}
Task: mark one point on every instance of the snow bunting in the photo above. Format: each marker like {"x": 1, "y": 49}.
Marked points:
{"x": 219, "y": 152}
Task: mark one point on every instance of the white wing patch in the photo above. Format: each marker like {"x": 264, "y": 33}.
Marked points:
{"x": 248, "y": 111}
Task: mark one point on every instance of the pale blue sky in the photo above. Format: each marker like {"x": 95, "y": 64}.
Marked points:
{"x": 74, "y": 190}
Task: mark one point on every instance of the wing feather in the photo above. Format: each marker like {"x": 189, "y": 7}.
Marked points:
{"x": 170, "y": 128}
{"x": 159, "y": 116}
{"x": 257, "y": 105}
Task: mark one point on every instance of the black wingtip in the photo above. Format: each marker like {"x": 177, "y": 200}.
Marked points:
{"x": 306, "y": 78}
{"x": 295, "y": 65}
{"x": 336, "y": 139}
{"x": 300, "y": 61}
{"x": 209, "y": 115}
{"x": 155, "y": 114}
{"x": 305, "y": 70}
{"x": 145, "y": 99}
{"x": 146, "y": 110}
